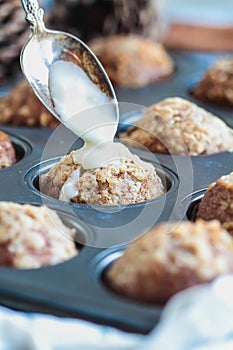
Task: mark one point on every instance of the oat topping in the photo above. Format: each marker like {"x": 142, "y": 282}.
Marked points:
{"x": 177, "y": 126}
{"x": 33, "y": 236}
{"x": 216, "y": 86}
{"x": 172, "y": 257}
{"x": 122, "y": 182}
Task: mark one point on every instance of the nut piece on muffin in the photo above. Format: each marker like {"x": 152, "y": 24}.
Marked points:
{"x": 170, "y": 258}
{"x": 32, "y": 237}
{"x": 217, "y": 202}
{"x": 179, "y": 127}
{"x": 216, "y": 86}
{"x": 21, "y": 107}
{"x": 132, "y": 61}
{"x": 120, "y": 182}
{"x": 7, "y": 151}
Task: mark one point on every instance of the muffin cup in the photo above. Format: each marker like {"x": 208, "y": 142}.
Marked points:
{"x": 113, "y": 224}
{"x": 83, "y": 234}
{"x": 21, "y": 146}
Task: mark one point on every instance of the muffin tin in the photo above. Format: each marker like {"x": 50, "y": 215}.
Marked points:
{"x": 76, "y": 288}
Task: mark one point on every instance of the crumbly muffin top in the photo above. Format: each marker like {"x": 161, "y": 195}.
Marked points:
{"x": 217, "y": 202}
{"x": 227, "y": 180}
{"x": 122, "y": 181}
{"x": 131, "y": 60}
{"x": 177, "y": 126}
{"x": 216, "y": 86}
{"x": 7, "y": 151}
{"x": 34, "y": 236}
{"x": 21, "y": 107}
{"x": 203, "y": 247}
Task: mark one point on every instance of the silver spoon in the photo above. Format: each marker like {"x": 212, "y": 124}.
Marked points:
{"x": 45, "y": 47}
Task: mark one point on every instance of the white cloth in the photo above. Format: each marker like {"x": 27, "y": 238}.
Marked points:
{"x": 19, "y": 331}
{"x": 200, "y": 318}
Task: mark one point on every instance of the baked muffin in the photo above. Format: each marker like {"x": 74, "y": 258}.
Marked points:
{"x": 32, "y": 237}
{"x": 177, "y": 126}
{"x": 7, "y": 151}
{"x": 170, "y": 258}
{"x": 217, "y": 202}
{"x": 216, "y": 86}
{"x": 122, "y": 182}
{"x": 21, "y": 107}
{"x": 132, "y": 61}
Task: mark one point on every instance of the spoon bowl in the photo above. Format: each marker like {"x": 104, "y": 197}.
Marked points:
{"x": 45, "y": 47}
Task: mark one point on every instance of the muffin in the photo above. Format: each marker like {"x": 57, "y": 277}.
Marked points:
{"x": 122, "y": 181}
{"x": 131, "y": 60}
{"x": 21, "y": 107}
{"x": 217, "y": 202}
{"x": 32, "y": 237}
{"x": 7, "y": 151}
{"x": 170, "y": 258}
{"x": 216, "y": 86}
{"x": 179, "y": 127}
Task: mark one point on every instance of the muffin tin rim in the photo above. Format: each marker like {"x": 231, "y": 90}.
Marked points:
{"x": 188, "y": 201}
{"x": 35, "y": 170}
{"x": 18, "y": 142}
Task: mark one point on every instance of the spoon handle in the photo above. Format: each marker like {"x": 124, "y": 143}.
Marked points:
{"x": 34, "y": 15}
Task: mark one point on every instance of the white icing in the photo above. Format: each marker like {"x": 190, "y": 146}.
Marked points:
{"x": 69, "y": 189}
{"x": 81, "y": 105}
{"x": 90, "y": 114}
{"x": 95, "y": 156}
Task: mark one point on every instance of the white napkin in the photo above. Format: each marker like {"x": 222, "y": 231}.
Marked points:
{"x": 19, "y": 331}
{"x": 200, "y": 318}
{"x": 197, "y": 319}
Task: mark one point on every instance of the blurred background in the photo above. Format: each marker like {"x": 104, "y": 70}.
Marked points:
{"x": 206, "y": 12}
{"x": 179, "y": 24}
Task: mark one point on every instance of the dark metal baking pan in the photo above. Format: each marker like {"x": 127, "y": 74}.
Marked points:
{"x": 75, "y": 288}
